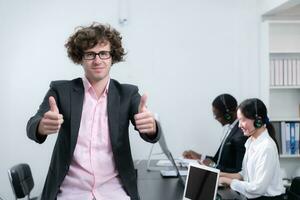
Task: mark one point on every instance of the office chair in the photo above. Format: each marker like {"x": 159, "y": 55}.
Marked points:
{"x": 294, "y": 191}
{"x": 21, "y": 181}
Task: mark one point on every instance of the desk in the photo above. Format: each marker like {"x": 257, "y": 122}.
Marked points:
{"x": 152, "y": 186}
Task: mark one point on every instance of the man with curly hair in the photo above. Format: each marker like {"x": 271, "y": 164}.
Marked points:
{"x": 92, "y": 157}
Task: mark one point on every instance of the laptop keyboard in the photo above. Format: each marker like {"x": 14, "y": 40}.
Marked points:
{"x": 173, "y": 173}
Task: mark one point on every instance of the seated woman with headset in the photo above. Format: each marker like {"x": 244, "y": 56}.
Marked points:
{"x": 260, "y": 177}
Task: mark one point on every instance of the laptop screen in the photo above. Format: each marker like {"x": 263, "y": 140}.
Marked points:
{"x": 201, "y": 183}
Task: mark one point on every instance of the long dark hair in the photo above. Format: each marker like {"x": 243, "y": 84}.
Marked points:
{"x": 254, "y": 108}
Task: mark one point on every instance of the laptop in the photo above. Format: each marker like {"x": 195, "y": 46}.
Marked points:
{"x": 201, "y": 183}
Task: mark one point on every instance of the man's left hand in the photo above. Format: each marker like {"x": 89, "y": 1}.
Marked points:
{"x": 144, "y": 120}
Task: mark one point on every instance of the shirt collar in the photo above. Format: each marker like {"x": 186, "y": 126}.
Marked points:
{"x": 233, "y": 124}
{"x": 256, "y": 141}
{"x": 227, "y": 129}
{"x": 87, "y": 85}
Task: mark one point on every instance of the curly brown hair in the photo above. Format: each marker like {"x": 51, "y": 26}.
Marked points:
{"x": 87, "y": 37}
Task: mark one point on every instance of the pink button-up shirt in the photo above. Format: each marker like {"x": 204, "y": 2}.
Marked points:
{"x": 92, "y": 173}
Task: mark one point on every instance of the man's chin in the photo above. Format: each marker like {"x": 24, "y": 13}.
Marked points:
{"x": 100, "y": 78}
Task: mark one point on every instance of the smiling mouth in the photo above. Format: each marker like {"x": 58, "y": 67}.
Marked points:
{"x": 98, "y": 68}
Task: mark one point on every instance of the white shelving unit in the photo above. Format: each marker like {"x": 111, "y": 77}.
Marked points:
{"x": 283, "y": 101}
{"x": 288, "y": 156}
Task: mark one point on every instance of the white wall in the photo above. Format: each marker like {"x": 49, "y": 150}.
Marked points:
{"x": 182, "y": 53}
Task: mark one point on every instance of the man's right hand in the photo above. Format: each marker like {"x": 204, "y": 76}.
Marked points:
{"x": 208, "y": 162}
{"x": 52, "y": 120}
{"x": 191, "y": 155}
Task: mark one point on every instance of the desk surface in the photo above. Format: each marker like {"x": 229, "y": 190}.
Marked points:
{"x": 152, "y": 186}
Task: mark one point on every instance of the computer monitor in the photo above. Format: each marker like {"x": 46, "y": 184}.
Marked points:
{"x": 163, "y": 145}
{"x": 201, "y": 183}
{"x": 170, "y": 157}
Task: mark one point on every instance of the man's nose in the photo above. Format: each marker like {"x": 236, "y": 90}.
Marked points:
{"x": 97, "y": 58}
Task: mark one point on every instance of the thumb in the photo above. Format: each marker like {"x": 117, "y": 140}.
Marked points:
{"x": 142, "y": 106}
{"x": 53, "y": 106}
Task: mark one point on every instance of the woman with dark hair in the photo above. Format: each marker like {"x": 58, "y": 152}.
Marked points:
{"x": 260, "y": 176}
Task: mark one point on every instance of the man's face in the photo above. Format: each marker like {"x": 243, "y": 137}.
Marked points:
{"x": 97, "y": 69}
{"x": 219, "y": 116}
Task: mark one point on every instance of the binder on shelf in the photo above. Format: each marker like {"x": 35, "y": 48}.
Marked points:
{"x": 272, "y": 73}
{"x": 298, "y": 71}
{"x": 297, "y": 135}
{"x": 276, "y": 71}
{"x": 288, "y": 138}
{"x": 285, "y": 72}
{"x": 283, "y": 140}
{"x": 280, "y": 63}
{"x": 290, "y": 72}
{"x": 294, "y": 72}
{"x": 292, "y": 138}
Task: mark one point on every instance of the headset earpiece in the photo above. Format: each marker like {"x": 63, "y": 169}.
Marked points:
{"x": 227, "y": 115}
{"x": 258, "y": 123}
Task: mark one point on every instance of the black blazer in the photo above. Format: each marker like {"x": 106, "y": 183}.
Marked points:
{"x": 233, "y": 151}
{"x": 123, "y": 101}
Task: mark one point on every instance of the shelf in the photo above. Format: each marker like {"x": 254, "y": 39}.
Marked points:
{"x": 295, "y": 22}
{"x": 286, "y": 53}
{"x": 289, "y": 156}
{"x": 296, "y": 119}
{"x": 285, "y": 87}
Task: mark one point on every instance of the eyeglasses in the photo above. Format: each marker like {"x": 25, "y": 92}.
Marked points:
{"x": 92, "y": 55}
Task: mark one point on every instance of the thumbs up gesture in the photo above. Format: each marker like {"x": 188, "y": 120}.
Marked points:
{"x": 144, "y": 119}
{"x": 52, "y": 120}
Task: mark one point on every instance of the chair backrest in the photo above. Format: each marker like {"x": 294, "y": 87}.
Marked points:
{"x": 21, "y": 180}
{"x": 294, "y": 190}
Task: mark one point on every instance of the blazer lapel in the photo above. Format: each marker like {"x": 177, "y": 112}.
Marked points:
{"x": 228, "y": 138}
{"x": 113, "y": 107}
{"x": 77, "y": 95}
{"x": 232, "y": 132}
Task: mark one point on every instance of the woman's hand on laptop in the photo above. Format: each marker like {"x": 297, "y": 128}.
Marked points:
{"x": 225, "y": 181}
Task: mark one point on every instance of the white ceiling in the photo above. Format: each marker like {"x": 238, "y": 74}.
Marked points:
{"x": 293, "y": 11}
{"x": 289, "y": 10}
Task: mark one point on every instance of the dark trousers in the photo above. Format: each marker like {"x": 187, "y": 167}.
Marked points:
{"x": 280, "y": 197}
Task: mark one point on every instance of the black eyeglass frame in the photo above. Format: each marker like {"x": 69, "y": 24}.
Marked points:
{"x": 103, "y": 55}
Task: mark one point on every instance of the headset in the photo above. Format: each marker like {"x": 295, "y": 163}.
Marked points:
{"x": 227, "y": 115}
{"x": 258, "y": 123}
